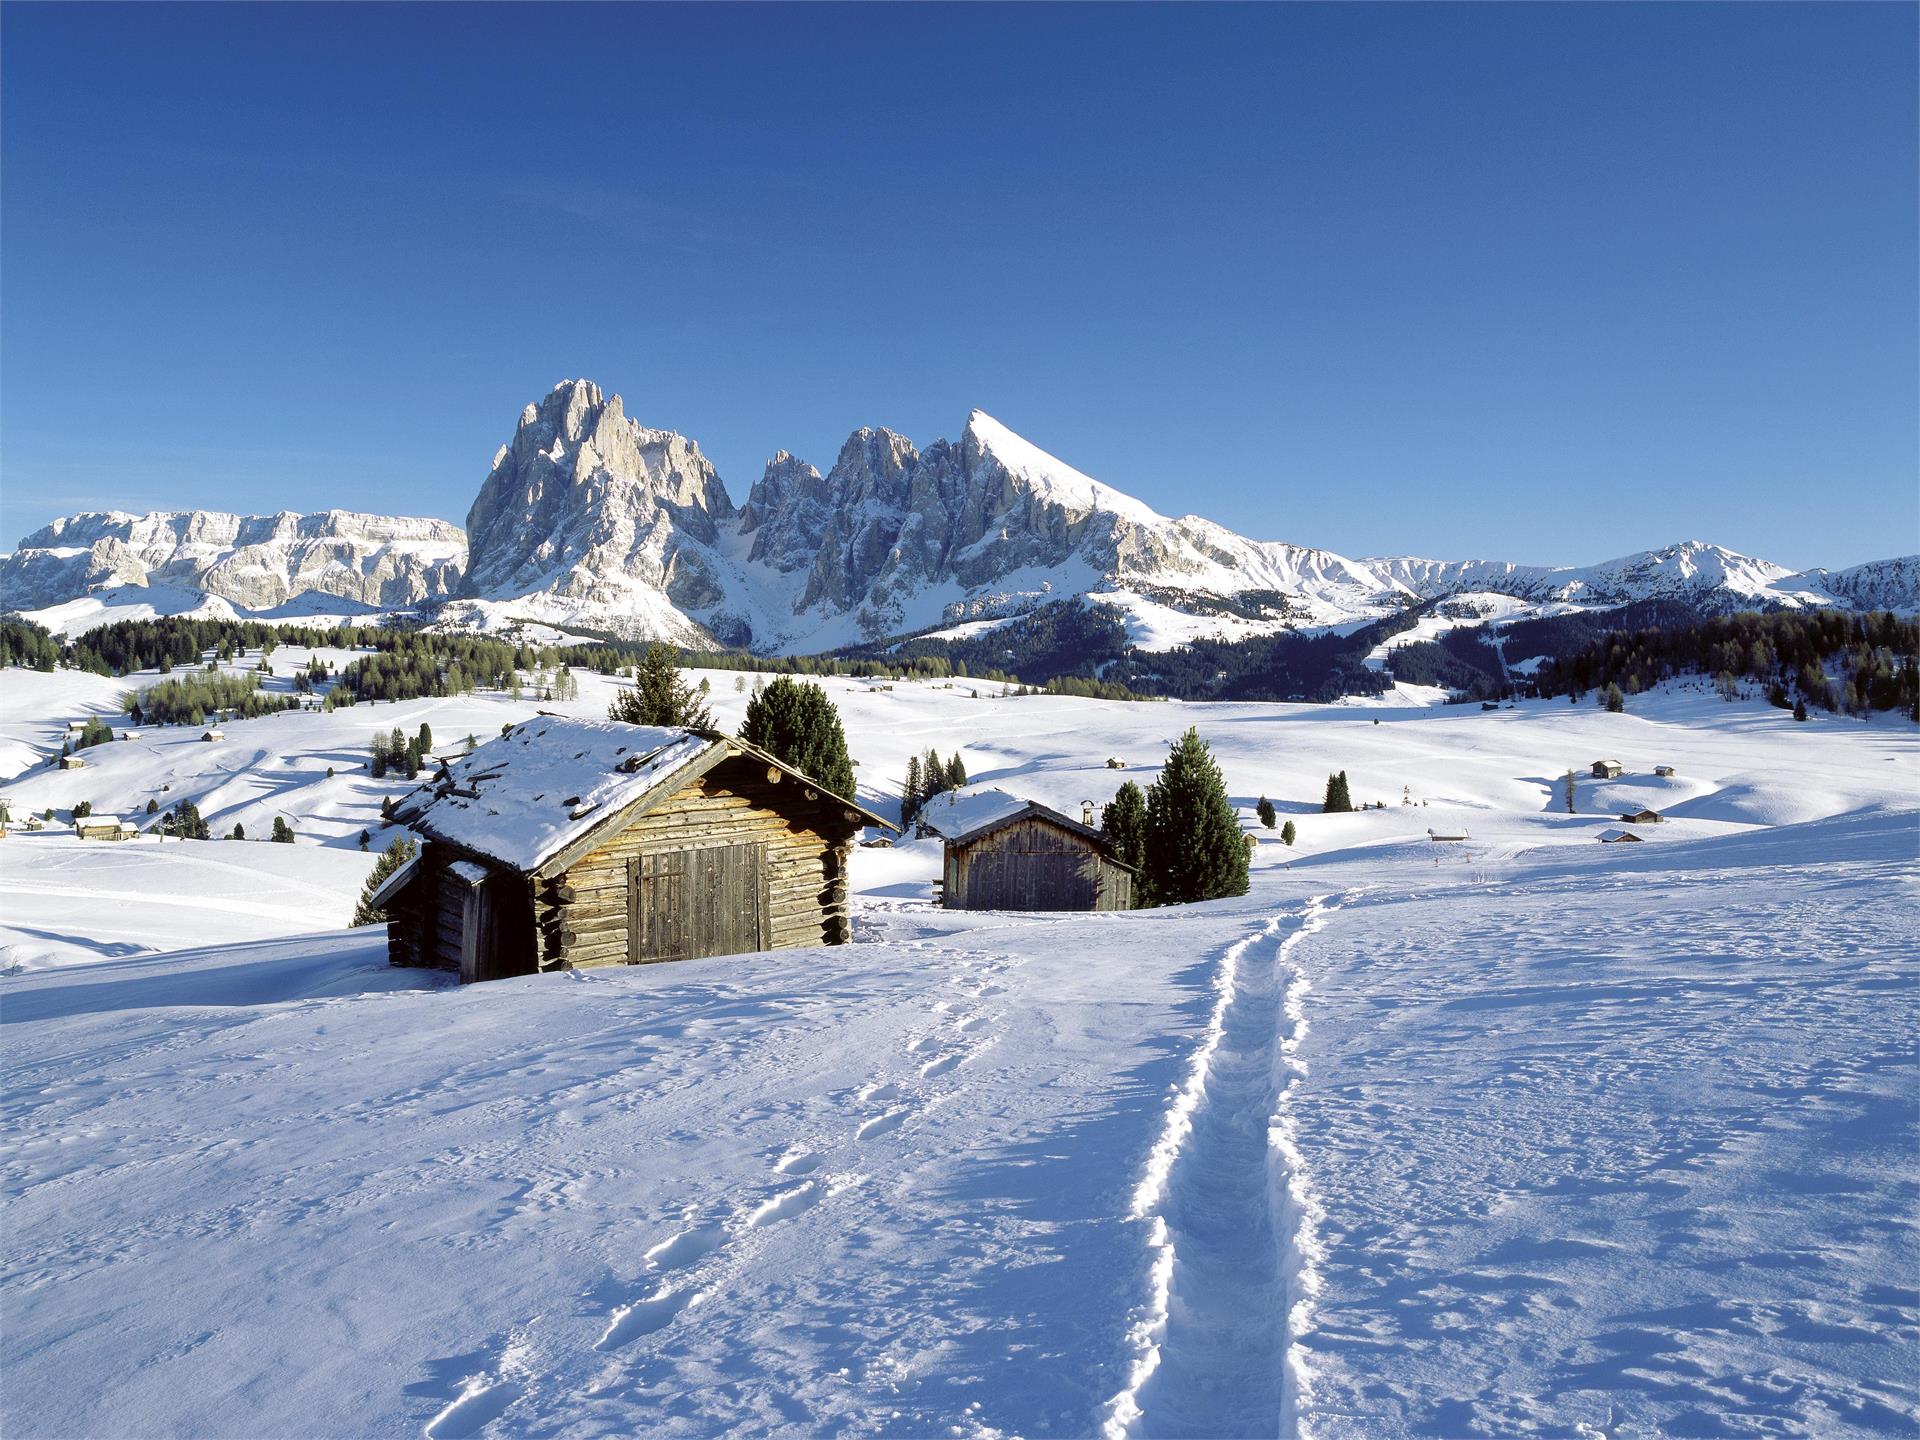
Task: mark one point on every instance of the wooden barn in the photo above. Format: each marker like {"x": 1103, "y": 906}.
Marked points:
{"x": 1606, "y": 769}
{"x": 1620, "y": 837}
{"x": 573, "y": 843}
{"x": 1005, "y": 853}
{"x": 1642, "y": 816}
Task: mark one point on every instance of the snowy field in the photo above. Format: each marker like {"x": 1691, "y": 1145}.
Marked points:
{"x": 1517, "y": 1135}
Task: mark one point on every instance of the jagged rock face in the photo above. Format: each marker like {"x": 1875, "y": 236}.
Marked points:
{"x": 1876, "y": 585}
{"x": 1709, "y": 576}
{"x": 257, "y": 562}
{"x": 590, "y": 506}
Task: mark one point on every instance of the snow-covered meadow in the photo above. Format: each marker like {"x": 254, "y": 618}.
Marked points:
{"x": 1520, "y": 1134}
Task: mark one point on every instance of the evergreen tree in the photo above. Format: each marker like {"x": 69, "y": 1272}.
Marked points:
{"x": 1194, "y": 849}
{"x": 397, "y": 854}
{"x": 239, "y": 831}
{"x": 1266, "y": 812}
{"x": 795, "y": 721}
{"x": 659, "y": 696}
{"x": 1616, "y": 702}
{"x": 184, "y": 820}
{"x": 1288, "y": 834}
{"x": 282, "y": 831}
{"x": 83, "y": 809}
{"x": 956, "y": 772}
{"x": 910, "y": 795}
{"x": 1124, "y": 821}
{"x": 366, "y": 839}
{"x": 1338, "y": 799}
{"x": 1799, "y": 707}
{"x": 153, "y": 807}
{"x": 1570, "y": 787}
{"x": 426, "y": 738}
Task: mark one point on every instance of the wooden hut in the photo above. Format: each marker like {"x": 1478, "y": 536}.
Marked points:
{"x": 216, "y": 733}
{"x": 1617, "y": 837}
{"x": 1005, "y": 853}
{"x": 573, "y": 843}
{"x": 1665, "y": 772}
{"x": 72, "y": 762}
{"x": 104, "y": 827}
{"x": 1607, "y": 769}
{"x": 1642, "y": 816}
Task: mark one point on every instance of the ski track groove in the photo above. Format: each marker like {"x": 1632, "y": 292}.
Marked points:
{"x": 1231, "y": 1219}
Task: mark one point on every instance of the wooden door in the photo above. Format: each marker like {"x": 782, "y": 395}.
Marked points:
{"x": 683, "y": 904}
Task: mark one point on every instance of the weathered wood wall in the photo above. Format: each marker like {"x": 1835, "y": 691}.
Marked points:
{"x": 1033, "y": 864}
{"x": 588, "y": 915}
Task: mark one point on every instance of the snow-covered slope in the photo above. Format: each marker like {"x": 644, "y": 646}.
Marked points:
{"x": 590, "y": 519}
{"x": 1522, "y": 1135}
{"x": 256, "y": 562}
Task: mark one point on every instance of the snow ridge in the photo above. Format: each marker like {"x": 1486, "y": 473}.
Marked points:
{"x": 1231, "y": 1219}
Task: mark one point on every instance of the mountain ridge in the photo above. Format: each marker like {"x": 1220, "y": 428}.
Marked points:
{"x": 589, "y": 517}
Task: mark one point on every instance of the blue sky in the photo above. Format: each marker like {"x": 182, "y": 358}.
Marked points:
{"x": 1549, "y": 283}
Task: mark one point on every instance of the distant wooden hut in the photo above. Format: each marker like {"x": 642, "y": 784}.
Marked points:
{"x": 1114, "y": 762}
{"x": 1446, "y": 835}
{"x": 104, "y": 827}
{"x": 216, "y": 733}
{"x": 1642, "y": 816}
{"x": 1607, "y": 769}
{"x": 1006, "y": 853}
{"x": 575, "y": 843}
{"x": 1665, "y": 772}
{"x": 72, "y": 762}
{"x": 1616, "y": 837}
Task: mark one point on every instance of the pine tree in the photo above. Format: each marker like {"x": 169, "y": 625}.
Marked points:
{"x": 1288, "y": 834}
{"x": 1615, "y": 701}
{"x": 1339, "y": 799}
{"x": 956, "y": 772}
{"x": 153, "y": 807}
{"x": 659, "y": 696}
{"x": 397, "y": 854}
{"x": 795, "y": 721}
{"x": 426, "y": 738}
{"x": 1266, "y": 812}
{"x": 282, "y": 831}
{"x": 910, "y": 796}
{"x": 186, "y": 822}
{"x": 1124, "y": 822}
{"x": 1570, "y": 787}
{"x": 239, "y": 831}
{"x": 1194, "y": 848}
{"x": 1799, "y": 707}
{"x": 366, "y": 839}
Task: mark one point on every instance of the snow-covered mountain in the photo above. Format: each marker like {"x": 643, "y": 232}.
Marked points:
{"x": 256, "y": 562}
{"x": 590, "y": 519}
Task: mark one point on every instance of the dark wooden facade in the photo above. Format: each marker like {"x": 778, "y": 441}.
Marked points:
{"x": 744, "y": 855}
{"x": 1036, "y": 859}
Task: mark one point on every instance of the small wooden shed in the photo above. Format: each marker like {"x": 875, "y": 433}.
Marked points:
{"x": 214, "y": 734}
{"x": 1607, "y": 769}
{"x": 72, "y": 762}
{"x": 1642, "y": 816}
{"x": 1665, "y": 772}
{"x": 1005, "y": 853}
{"x": 1617, "y": 837}
{"x": 572, "y": 843}
{"x": 104, "y": 827}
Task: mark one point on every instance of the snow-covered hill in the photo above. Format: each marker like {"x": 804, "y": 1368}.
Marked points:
{"x": 589, "y": 518}
{"x": 1518, "y": 1135}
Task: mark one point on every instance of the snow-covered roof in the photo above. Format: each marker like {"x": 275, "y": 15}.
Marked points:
{"x": 1609, "y": 837}
{"x": 522, "y": 799}
{"x": 961, "y": 815}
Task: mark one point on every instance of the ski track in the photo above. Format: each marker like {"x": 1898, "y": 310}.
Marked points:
{"x": 698, "y": 1260}
{"x": 1230, "y": 1215}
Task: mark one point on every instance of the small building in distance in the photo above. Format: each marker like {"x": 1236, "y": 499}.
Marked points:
{"x": 104, "y": 827}
{"x": 574, "y": 843}
{"x": 1642, "y": 816}
{"x": 1607, "y": 769}
{"x": 1114, "y": 762}
{"x": 1665, "y": 772}
{"x": 216, "y": 733}
{"x": 1006, "y": 853}
{"x": 1615, "y": 837}
{"x": 72, "y": 762}
{"x": 1439, "y": 835}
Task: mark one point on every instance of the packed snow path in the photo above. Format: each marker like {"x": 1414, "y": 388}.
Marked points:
{"x": 1224, "y": 1194}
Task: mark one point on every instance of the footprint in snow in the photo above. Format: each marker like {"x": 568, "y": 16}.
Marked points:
{"x": 939, "y": 1066}
{"x": 785, "y": 1205}
{"x": 967, "y": 1024}
{"x": 797, "y": 1162}
{"x": 685, "y": 1248}
{"x": 923, "y": 1044}
{"x": 880, "y": 1090}
{"x": 642, "y": 1317}
{"x": 476, "y": 1407}
{"x": 880, "y": 1124}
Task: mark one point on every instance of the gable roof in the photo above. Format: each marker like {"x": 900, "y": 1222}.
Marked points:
{"x": 1614, "y": 837}
{"x": 551, "y": 783}
{"x": 960, "y": 817}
